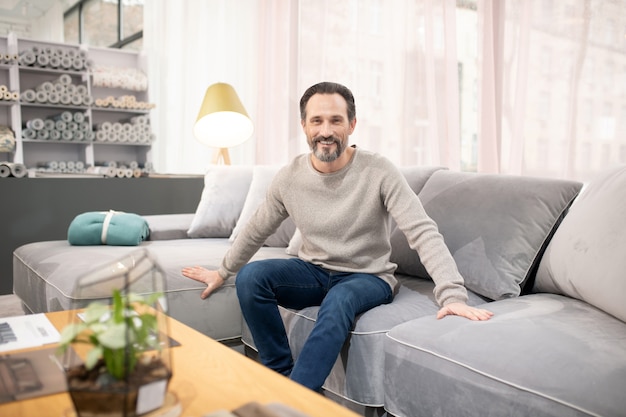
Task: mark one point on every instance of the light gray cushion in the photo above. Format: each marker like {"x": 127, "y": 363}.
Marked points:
{"x": 44, "y": 276}
{"x": 223, "y": 196}
{"x": 168, "y": 226}
{"x": 586, "y": 258}
{"x": 496, "y": 226}
{"x": 539, "y": 355}
{"x": 358, "y": 373}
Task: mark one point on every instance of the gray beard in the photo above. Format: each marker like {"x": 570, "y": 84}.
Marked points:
{"x": 325, "y": 156}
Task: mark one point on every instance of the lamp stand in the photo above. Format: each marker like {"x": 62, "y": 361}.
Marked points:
{"x": 221, "y": 155}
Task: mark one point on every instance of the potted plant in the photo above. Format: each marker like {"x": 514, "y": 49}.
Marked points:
{"x": 124, "y": 372}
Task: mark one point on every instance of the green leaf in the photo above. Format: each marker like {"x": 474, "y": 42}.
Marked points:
{"x": 92, "y": 357}
{"x": 115, "y": 336}
{"x": 96, "y": 312}
{"x": 70, "y": 332}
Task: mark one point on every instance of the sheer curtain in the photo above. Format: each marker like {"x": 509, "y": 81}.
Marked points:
{"x": 534, "y": 88}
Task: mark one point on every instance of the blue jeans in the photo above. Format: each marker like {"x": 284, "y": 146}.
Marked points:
{"x": 296, "y": 284}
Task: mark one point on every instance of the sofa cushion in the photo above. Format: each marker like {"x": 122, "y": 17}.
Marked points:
{"x": 496, "y": 226}
{"x": 221, "y": 202}
{"x": 585, "y": 258}
{"x": 45, "y": 273}
{"x": 262, "y": 176}
{"x": 539, "y": 355}
{"x": 358, "y": 372}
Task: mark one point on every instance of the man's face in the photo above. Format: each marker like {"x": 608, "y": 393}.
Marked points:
{"x": 326, "y": 126}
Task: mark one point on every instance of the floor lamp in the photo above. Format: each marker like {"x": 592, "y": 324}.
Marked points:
{"x": 222, "y": 121}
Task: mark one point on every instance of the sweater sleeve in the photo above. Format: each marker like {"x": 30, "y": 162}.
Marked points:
{"x": 423, "y": 236}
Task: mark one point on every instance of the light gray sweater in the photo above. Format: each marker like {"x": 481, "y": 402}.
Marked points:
{"x": 343, "y": 218}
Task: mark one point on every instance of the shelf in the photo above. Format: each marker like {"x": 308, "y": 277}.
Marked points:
{"x": 21, "y": 77}
{"x": 55, "y": 106}
{"x": 62, "y": 142}
{"x": 45, "y": 70}
{"x": 109, "y": 110}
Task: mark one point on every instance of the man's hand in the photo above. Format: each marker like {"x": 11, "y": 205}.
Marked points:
{"x": 463, "y": 310}
{"x": 212, "y": 279}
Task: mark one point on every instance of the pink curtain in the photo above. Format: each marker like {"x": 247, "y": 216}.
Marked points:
{"x": 495, "y": 86}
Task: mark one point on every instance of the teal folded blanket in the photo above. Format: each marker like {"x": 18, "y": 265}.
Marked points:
{"x": 108, "y": 228}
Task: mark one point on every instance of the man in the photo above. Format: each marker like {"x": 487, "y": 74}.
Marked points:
{"x": 339, "y": 197}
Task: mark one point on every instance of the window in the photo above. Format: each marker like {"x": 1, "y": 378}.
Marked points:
{"x": 105, "y": 23}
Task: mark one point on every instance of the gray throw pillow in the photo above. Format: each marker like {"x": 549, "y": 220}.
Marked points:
{"x": 496, "y": 226}
{"x": 586, "y": 257}
{"x": 221, "y": 202}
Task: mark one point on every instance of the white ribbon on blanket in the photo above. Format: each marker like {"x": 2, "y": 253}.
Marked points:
{"x": 105, "y": 225}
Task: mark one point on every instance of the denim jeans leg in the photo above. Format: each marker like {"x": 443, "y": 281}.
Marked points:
{"x": 261, "y": 286}
{"x": 349, "y": 296}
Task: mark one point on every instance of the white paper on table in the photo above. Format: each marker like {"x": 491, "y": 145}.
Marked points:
{"x": 30, "y": 330}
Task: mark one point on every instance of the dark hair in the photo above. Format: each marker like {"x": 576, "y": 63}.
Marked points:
{"x": 328, "y": 88}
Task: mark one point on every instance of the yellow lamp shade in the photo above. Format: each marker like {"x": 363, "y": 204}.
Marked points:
{"x": 222, "y": 121}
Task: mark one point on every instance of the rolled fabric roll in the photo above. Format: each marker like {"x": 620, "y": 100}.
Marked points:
{"x": 3, "y": 88}
{"x": 60, "y": 88}
{"x": 41, "y": 96}
{"x": 53, "y": 97}
{"x": 117, "y": 127}
{"x": 78, "y": 135}
{"x": 29, "y": 133}
{"x": 62, "y": 165}
{"x": 84, "y": 126}
{"x": 120, "y": 172}
{"x": 90, "y": 135}
{"x": 64, "y": 79}
{"x": 49, "y": 124}
{"x": 67, "y": 135}
{"x": 70, "y": 165}
{"x": 65, "y": 99}
{"x": 101, "y": 135}
{"x": 43, "y": 134}
{"x": 28, "y": 95}
{"x": 55, "y": 135}
{"x": 133, "y": 164}
{"x": 18, "y": 170}
{"x": 87, "y": 100}
{"x": 36, "y": 124}
{"x": 70, "y": 88}
{"x": 45, "y": 86}
{"x": 65, "y": 116}
{"x": 15, "y": 95}
{"x": 27, "y": 58}
{"x": 78, "y": 63}
{"x": 76, "y": 99}
{"x": 43, "y": 60}
{"x": 104, "y": 126}
{"x": 51, "y": 164}
{"x": 66, "y": 62}
{"x": 72, "y": 125}
{"x": 137, "y": 173}
{"x": 81, "y": 89}
{"x": 79, "y": 117}
{"x": 55, "y": 61}
{"x": 60, "y": 125}
{"x": 80, "y": 165}
{"x": 5, "y": 170}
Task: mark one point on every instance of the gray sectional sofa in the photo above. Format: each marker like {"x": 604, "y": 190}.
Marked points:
{"x": 548, "y": 261}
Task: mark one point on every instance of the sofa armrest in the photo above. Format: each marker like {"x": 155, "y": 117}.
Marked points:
{"x": 168, "y": 226}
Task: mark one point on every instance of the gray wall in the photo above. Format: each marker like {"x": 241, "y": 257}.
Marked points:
{"x": 39, "y": 209}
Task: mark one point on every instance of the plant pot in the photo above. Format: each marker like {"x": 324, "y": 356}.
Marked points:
{"x": 95, "y": 393}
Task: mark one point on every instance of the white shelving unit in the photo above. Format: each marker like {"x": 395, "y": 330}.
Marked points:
{"x": 92, "y": 148}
